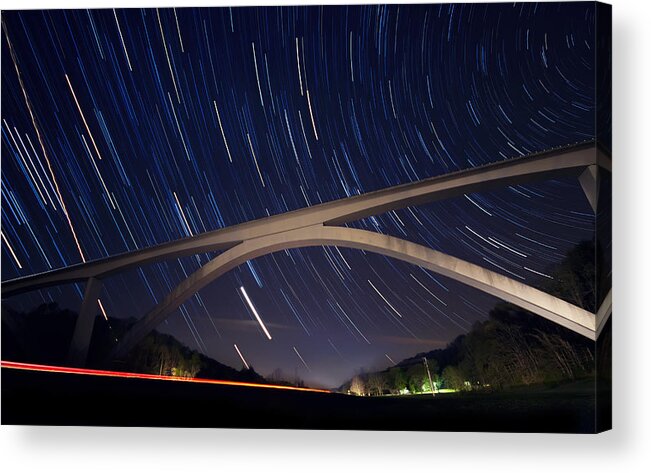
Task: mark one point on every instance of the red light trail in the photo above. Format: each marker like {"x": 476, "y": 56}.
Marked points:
{"x": 122, "y": 374}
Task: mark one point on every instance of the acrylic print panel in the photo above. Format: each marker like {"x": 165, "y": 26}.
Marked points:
{"x": 391, "y": 217}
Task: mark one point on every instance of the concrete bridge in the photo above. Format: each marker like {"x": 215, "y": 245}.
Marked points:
{"x": 320, "y": 225}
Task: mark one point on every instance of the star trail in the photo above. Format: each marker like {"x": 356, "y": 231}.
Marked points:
{"x": 126, "y": 128}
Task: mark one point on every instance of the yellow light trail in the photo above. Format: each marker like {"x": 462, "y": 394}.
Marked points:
{"x": 40, "y": 141}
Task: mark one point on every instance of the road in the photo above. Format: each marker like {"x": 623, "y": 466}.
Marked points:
{"x": 67, "y": 398}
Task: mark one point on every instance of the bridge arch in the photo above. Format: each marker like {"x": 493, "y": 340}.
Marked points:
{"x": 538, "y": 302}
{"x": 564, "y": 162}
{"x": 258, "y": 237}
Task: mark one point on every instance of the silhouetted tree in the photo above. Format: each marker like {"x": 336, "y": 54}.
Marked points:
{"x": 575, "y": 278}
{"x": 377, "y": 382}
{"x": 453, "y": 378}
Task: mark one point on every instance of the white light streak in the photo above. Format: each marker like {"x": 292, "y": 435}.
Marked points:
{"x": 108, "y": 194}
{"x": 257, "y": 76}
{"x": 430, "y": 292}
{"x": 353, "y": 323}
{"x": 178, "y": 126}
{"x": 479, "y": 236}
{"x": 539, "y": 273}
{"x": 342, "y": 257}
{"x": 124, "y": 46}
{"x": 11, "y": 250}
{"x": 169, "y": 64}
{"x": 504, "y": 245}
{"x": 536, "y": 242}
{"x": 309, "y": 104}
{"x": 478, "y": 206}
{"x": 35, "y": 168}
{"x": 219, "y": 119}
{"x": 302, "y": 360}
{"x": 350, "y": 48}
{"x": 29, "y": 169}
{"x": 393, "y": 108}
{"x": 183, "y": 214}
{"x": 384, "y": 299}
{"x": 502, "y": 268}
{"x": 255, "y": 159}
{"x": 255, "y": 312}
{"x": 241, "y": 356}
{"x": 298, "y": 64}
{"x": 178, "y": 30}
{"x": 47, "y": 177}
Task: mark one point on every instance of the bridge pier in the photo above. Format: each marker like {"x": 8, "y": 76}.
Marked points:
{"x": 85, "y": 321}
{"x": 589, "y": 180}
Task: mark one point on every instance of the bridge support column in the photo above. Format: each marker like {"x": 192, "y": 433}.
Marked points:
{"x": 85, "y": 322}
{"x": 589, "y": 181}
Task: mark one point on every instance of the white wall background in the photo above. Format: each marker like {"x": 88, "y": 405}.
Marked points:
{"x": 626, "y": 448}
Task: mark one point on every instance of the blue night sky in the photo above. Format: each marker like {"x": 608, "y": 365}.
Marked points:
{"x": 123, "y": 129}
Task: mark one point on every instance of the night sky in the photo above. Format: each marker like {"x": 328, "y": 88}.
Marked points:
{"x": 123, "y": 129}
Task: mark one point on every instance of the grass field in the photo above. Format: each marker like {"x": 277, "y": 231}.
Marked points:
{"x": 40, "y": 398}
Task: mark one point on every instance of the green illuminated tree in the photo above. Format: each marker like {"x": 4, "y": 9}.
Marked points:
{"x": 397, "y": 379}
{"x": 453, "y": 378}
{"x": 416, "y": 377}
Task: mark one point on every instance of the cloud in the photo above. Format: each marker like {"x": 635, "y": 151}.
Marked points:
{"x": 432, "y": 343}
{"x": 239, "y": 324}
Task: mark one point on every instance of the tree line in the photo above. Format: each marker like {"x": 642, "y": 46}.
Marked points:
{"x": 512, "y": 348}
{"x": 43, "y": 335}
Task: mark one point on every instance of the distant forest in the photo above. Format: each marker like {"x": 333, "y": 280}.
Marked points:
{"x": 512, "y": 348}
{"x": 43, "y": 336}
